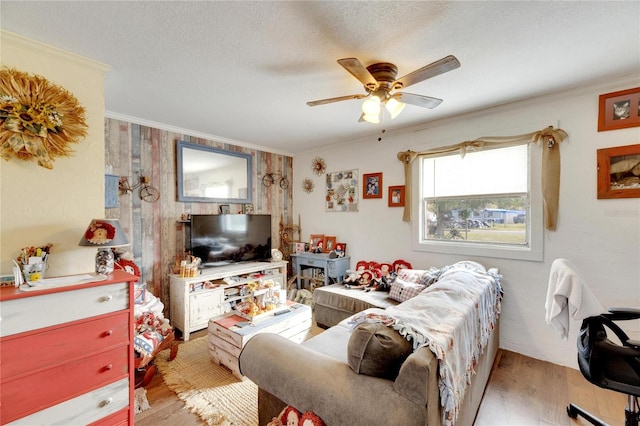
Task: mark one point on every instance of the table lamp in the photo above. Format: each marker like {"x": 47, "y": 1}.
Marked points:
{"x": 104, "y": 234}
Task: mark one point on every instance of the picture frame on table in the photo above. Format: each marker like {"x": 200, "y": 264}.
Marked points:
{"x": 341, "y": 249}
{"x": 316, "y": 241}
{"x": 372, "y": 185}
{"x": 329, "y": 244}
{"x": 619, "y": 110}
{"x": 619, "y": 172}
{"x": 396, "y": 196}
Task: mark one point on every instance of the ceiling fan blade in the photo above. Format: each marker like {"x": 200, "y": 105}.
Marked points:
{"x": 418, "y": 100}
{"x": 441, "y": 66}
{"x": 337, "y": 99}
{"x": 359, "y": 71}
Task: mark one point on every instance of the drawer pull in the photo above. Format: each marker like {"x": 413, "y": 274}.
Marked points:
{"x": 106, "y": 402}
{"x": 107, "y": 333}
{"x": 108, "y": 367}
{"x": 107, "y": 298}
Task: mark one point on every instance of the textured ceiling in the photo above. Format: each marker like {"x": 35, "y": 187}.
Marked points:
{"x": 242, "y": 71}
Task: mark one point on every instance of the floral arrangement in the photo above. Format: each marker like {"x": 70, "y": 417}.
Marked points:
{"x": 38, "y": 119}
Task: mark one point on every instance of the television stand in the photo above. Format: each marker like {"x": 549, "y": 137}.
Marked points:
{"x": 195, "y": 300}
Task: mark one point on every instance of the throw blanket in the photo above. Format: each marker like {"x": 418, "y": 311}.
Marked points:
{"x": 568, "y": 295}
{"x": 453, "y": 318}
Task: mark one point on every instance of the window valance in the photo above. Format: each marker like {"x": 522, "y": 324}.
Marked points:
{"x": 548, "y": 138}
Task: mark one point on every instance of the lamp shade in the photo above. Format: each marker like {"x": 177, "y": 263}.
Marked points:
{"x": 104, "y": 234}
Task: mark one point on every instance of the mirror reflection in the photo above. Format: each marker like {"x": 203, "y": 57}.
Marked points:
{"x": 207, "y": 174}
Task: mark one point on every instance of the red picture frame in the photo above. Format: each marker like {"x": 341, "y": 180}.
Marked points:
{"x": 372, "y": 185}
{"x": 329, "y": 244}
{"x": 617, "y": 172}
{"x": 396, "y": 196}
{"x": 619, "y": 110}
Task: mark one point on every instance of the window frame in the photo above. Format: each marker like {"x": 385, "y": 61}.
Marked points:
{"x": 533, "y": 252}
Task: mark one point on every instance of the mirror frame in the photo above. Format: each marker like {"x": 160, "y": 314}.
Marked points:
{"x": 182, "y": 145}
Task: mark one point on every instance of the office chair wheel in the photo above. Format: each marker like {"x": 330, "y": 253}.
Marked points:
{"x": 572, "y": 412}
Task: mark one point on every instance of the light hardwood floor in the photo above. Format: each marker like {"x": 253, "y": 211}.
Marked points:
{"x": 522, "y": 391}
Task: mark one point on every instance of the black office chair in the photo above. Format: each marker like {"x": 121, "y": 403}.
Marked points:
{"x": 608, "y": 364}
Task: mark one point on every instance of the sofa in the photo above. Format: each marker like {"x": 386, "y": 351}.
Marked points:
{"x": 337, "y": 302}
{"x": 337, "y": 374}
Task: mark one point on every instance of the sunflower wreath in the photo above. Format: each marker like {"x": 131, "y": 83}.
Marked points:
{"x": 38, "y": 120}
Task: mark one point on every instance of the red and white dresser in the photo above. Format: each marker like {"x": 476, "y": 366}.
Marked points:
{"x": 66, "y": 354}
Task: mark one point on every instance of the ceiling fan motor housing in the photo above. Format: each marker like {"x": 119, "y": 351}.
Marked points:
{"x": 385, "y": 74}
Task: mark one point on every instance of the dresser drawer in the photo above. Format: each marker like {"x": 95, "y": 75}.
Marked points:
{"x": 84, "y": 409}
{"x": 47, "y": 388}
{"x": 19, "y": 315}
{"x": 25, "y": 354}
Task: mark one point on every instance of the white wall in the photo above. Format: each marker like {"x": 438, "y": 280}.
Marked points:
{"x": 37, "y": 205}
{"x": 602, "y": 237}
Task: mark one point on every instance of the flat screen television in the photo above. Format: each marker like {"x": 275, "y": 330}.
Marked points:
{"x": 230, "y": 238}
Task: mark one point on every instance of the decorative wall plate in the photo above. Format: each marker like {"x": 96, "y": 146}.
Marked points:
{"x": 307, "y": 185}
{"x": 318, "y": 166}
{"x": 276, "y": 255}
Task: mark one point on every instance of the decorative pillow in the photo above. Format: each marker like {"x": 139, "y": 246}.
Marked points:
{"x": 377, "y": 350}
{"x": 402, "y": 290}
{"x": 411, "y": 275}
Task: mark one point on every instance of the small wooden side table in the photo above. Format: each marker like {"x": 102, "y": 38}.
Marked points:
{"x": 335, "y": 268}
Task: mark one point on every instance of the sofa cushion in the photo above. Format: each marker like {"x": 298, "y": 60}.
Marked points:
{"x": 402, "y": 290}
{"x": 377, "y": 350}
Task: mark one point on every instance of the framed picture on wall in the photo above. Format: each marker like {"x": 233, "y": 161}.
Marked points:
{"x": 396, "y": 196}
{"x": 619, "y": 172}
{"x": 619, "y": 110}
{"x": 342, "y": 191}
{"x": 372, "y": 185}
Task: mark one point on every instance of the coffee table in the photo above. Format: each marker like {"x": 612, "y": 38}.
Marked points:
{"x": 227, "y": 335}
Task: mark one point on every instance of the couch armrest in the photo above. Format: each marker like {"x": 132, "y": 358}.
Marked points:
{"x": 310, "y": 381}
{"x": 418, "y": 382}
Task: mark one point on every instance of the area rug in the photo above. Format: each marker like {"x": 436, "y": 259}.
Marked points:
{"x": 207, "y": 389}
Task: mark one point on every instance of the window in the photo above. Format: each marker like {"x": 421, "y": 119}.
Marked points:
{"x": 480, "y": 204}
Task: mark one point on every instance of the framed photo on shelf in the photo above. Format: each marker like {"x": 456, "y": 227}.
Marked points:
{"x": 317, "y": 242}
{"x": 247, "y": 208}
{"x": 619, "y": 172}
{"x": 299, "y": 247}
{"x": 372, "y": 185}
{"x": 619, "y": 110}
{"x": 225, "y": 209}
{"x": 341, "y": 249}
{"x": 329, "y": 244}
{"x": 396, "y": 196}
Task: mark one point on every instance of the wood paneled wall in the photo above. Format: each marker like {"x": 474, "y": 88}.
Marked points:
{"x": 156, "y": 236}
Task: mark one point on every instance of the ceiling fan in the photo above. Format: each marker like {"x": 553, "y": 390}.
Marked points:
{"x": 379, "y": 81}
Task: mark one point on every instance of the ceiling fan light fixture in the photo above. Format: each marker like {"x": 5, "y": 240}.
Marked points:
{"x": 394, "y": 107}
{"x": 371, "y": 118}
{"x": 371, "y": 106}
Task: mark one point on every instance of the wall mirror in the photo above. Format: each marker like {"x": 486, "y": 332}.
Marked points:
{"x": 213, "y": 175}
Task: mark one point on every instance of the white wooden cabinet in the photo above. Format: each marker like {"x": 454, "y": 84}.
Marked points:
{"x": 192, "y": 303}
